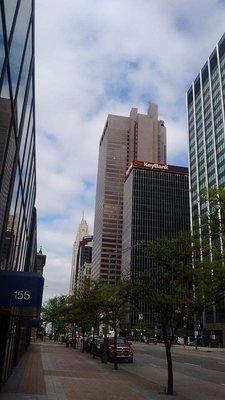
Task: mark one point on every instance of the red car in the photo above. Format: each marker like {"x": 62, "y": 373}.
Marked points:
{"x": 124, "y": 350}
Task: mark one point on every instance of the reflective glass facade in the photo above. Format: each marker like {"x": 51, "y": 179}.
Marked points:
{"x": 17, "y": 161}
{"x": 17, "y": 155}
{"x": 156, "y": 205}
{"x": 206, "y": 129}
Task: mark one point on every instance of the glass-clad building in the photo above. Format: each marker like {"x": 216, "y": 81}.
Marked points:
{"x": 156, "y": 205}
{"x": 17, "y": 164}
{"x": 206, "y": 129}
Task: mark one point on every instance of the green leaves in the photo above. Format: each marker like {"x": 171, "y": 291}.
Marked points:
{"x": 56, "y": 312}
{"x": 184, "y": 278}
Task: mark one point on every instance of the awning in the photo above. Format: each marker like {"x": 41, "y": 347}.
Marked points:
{"x": 21, "y": 289}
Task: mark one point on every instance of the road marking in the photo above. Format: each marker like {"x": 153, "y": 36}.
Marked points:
{"x": 195, "y": 365}
{"x": 223, "y": 384}
{"x": 221, "y": 363}
{"x": 153, "y": 365}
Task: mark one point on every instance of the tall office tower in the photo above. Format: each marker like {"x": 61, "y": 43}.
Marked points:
{"x": 206, "y": 129}
{"x": 156, "y": 205}
{"x": 81, "y": 233}
{"x": 124, "y": 139}
{"x": 84, "y": 257}
{"x": 17, "y": 165}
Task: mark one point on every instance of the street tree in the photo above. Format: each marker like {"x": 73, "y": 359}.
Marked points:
{"x": 80, "y": 315}
{"x": 95, "y": 314}
{"x": 174, "y": 289}
{"x": 55, "y": 311}
{"x": 115, "y": 302}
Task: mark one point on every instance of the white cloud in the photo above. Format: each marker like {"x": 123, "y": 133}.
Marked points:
{"x": 85, "y": 50}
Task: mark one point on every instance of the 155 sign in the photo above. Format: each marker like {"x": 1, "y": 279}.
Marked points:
{"x": 22, "y": 295}
{"x": 21, "y": 289}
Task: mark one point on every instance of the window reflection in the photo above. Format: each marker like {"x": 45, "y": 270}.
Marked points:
{"x": 4, "y": 90}
{"x": 10, "y": 7}
{"x": 27, "y": 161}
{"x": 15, "y": 193}
{"x": 18, "y": 40}
{"x": 12, "y": 223}
{"x": 2, "y": 52}
{"x": 23, "y": 246}
{"x": 5, "y": 118}
{"x": 16, "y": 228}
{"x": 23, "y": 129}
{"x": 24, "y": 77}
{"x": 7, "y": 153}
{"x": 25, "y": 144}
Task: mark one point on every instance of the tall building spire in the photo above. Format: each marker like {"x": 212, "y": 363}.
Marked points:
{"x": 81, "y": 233}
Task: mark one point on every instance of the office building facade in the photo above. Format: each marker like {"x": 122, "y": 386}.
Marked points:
{"x": 156, "y": 205}
{"x": 124, "y": 139}
{"x": 81, "y": 233}
{"x": 18, "y": 246}
{"x": 84, "y": 263}
{"x": 206, "y": 130}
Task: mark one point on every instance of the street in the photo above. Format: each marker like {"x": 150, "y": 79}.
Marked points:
{"x": 198, "y": 375}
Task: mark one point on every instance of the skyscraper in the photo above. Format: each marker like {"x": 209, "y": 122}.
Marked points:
{"x": 206, "y": 129}
{"x": 156, "y": 205}
{"x": 81, "y": 233}
{"x": 124, "y": 139}
{"x": 84, "y": 259}
{"x": 17, "y": 165}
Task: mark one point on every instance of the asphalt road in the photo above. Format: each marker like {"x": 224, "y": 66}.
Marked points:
{"x": 198, "y": 375}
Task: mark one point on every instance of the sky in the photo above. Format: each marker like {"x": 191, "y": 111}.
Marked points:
{"x": 96, "y": 57}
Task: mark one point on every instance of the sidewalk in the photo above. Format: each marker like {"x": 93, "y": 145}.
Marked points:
{"x": 51, "y": 371}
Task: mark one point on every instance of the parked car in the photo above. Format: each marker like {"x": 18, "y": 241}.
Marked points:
{"x": 89, "y": 342}
{"x": 124, "y": 349}
{"x": 99, "y": 343}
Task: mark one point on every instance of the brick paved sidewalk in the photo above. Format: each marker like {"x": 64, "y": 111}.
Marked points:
{"x": 51, "y": 371}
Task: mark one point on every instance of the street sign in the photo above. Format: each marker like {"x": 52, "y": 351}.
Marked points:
{"x": 21, "y": 289}
{"x": 140, "y": 317}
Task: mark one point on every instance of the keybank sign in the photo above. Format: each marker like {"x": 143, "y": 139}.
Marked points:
{"x": 155, "y": 166}
{"x": 146, "y": 164}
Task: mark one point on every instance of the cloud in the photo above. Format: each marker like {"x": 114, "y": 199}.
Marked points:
{"x": 98, "y": 57}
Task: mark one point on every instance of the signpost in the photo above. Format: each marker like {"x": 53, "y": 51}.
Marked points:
{"x": 21, "y": 289}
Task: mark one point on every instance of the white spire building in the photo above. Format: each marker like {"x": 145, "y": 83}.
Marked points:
{"x": 82, "y": 232}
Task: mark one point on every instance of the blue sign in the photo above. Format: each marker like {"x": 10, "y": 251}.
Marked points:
{"x": 21, "y": 289}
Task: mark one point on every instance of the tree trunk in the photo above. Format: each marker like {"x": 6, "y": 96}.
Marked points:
{"x": 115, "y": 350}
{"x": 169, "y": 362}
{"x": 93, "y": 342}
{"x": 75, "y": 337}
{"x": 104, "y": 354}
{"x": 83, "y": 335}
